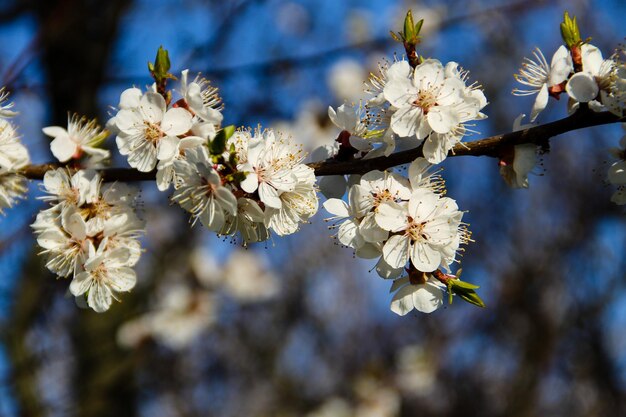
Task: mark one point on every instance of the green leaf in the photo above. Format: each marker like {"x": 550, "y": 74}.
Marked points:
{"x": 466, "y": 291}
{"x": 409, "y": 26}
{"x": 463, "y": 284}
{"x": 418, "y": 27}
{"x": 218, "y": 144}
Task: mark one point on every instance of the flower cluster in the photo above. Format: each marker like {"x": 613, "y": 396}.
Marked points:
{"x": 409, "y": 225}
{"x": 429, "y": 104}
{"x": 90, "y": 234}
{"x": 581, "y": 72}
{"x": 235, "y": 183}
{"x": 154, "y": 133}
{"x": 13, "y": 157}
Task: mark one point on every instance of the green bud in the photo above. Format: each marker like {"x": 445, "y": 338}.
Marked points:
{"x": 162, "y": 61}
{"x": 409, "y": 26}
{"x": 569, "y": 31}
{"x": 418, "y": 27}
{"x": 465, "y": 290}
{"x": 218, "y": 144}
{"x": 463, "y": 284}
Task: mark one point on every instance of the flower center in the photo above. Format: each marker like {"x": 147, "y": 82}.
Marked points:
{"x": 152, "y": 132}
{"x": 100, "y": 273}
{"x": 382, "y": 196}
{"x": 425, "y": 100}
{"x": 416, "y": 230}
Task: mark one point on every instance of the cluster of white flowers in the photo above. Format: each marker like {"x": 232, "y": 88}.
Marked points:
{"x": 90, "y": 234}
{"x": 582, "y": 73}
{"x": 13, "y": 157}
{"x": 430, "y": 103}
{"x": 409, "y": 225}
{"x": 153, "y": 133}
{"x": 251, "y": 184}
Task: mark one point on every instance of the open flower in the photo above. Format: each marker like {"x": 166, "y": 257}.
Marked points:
{"x": 424, "y": 99}
{"x": 427, "y": 231}
{"x": 148, "y": 133}
{"x": 81, "y": 136}
{"x": 106, "y": 272}
{"x": 200, "y": 190}
{"x": 426, "y": 297}
{"x": 540, "y": 77}
{"x": 202, "y": 98}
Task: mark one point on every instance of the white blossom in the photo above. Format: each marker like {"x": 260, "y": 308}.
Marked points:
{"x": 427, "y": 231}
{"x": 538, "y": 76}
{"x": 424, "y": 98}
{"x": 602, "y": 79}
{"x": 149, "y": 132}
{"x": 426, "y": 297}
{"x": 296, "y": 206}
{"x": 202, "y": 98}
{"x": 269, "y": 166}
{"x": 200, "y": 190}
{"x": 12, "y": 188}
{"x": 13, "y": 154}
{"x": 81, "y": 136}
{"x": 106, "y": 272}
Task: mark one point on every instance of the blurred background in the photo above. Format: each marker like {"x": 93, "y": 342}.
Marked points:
{"x": 297, "y": 326}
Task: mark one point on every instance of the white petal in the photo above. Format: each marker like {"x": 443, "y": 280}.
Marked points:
{"x": 130, "y": 98}
{"x": 251, "y": 182}
{"x": 176, "y": 121}
{"x": 54, "y": 131}
{"x": 427, "y": 298}
{"x": 592, "y": 58}
{"x": 442, "y": 118}
{"x": 582, "y": 87}
{"x": 371, "y": 231}
{"x": 167, "y": 148}
{"x": 348, "y": 234}
{"x": 63, "y": 148}
{"x": 152, "y": 107}
{"x": 337, "y": 207}
{"x": 540, "y": 103}
{"x": 391, "y": 216}
{"x": 124, "y": 279}
{"x": 424, "y": 257}
{"x": 404, "y": 121}
{"x": 402, "y": 301}
{"x": 396, "y": 251}
{"x": 333, "y": 186}
{"x": 80, "y": 284}
{"x": 269, "y": 195}
{"x": 227, "y": 200}
{"x": 99, "y": 298}
{"x": 561, "y": 66}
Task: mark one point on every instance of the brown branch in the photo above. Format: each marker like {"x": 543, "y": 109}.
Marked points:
{"x": 492, "y": 146}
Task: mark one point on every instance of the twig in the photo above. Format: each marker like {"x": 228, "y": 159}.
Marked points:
{"x": 492, "y": 146}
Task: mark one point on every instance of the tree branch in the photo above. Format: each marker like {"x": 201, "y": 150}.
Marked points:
{"x": 492, "y": 146}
